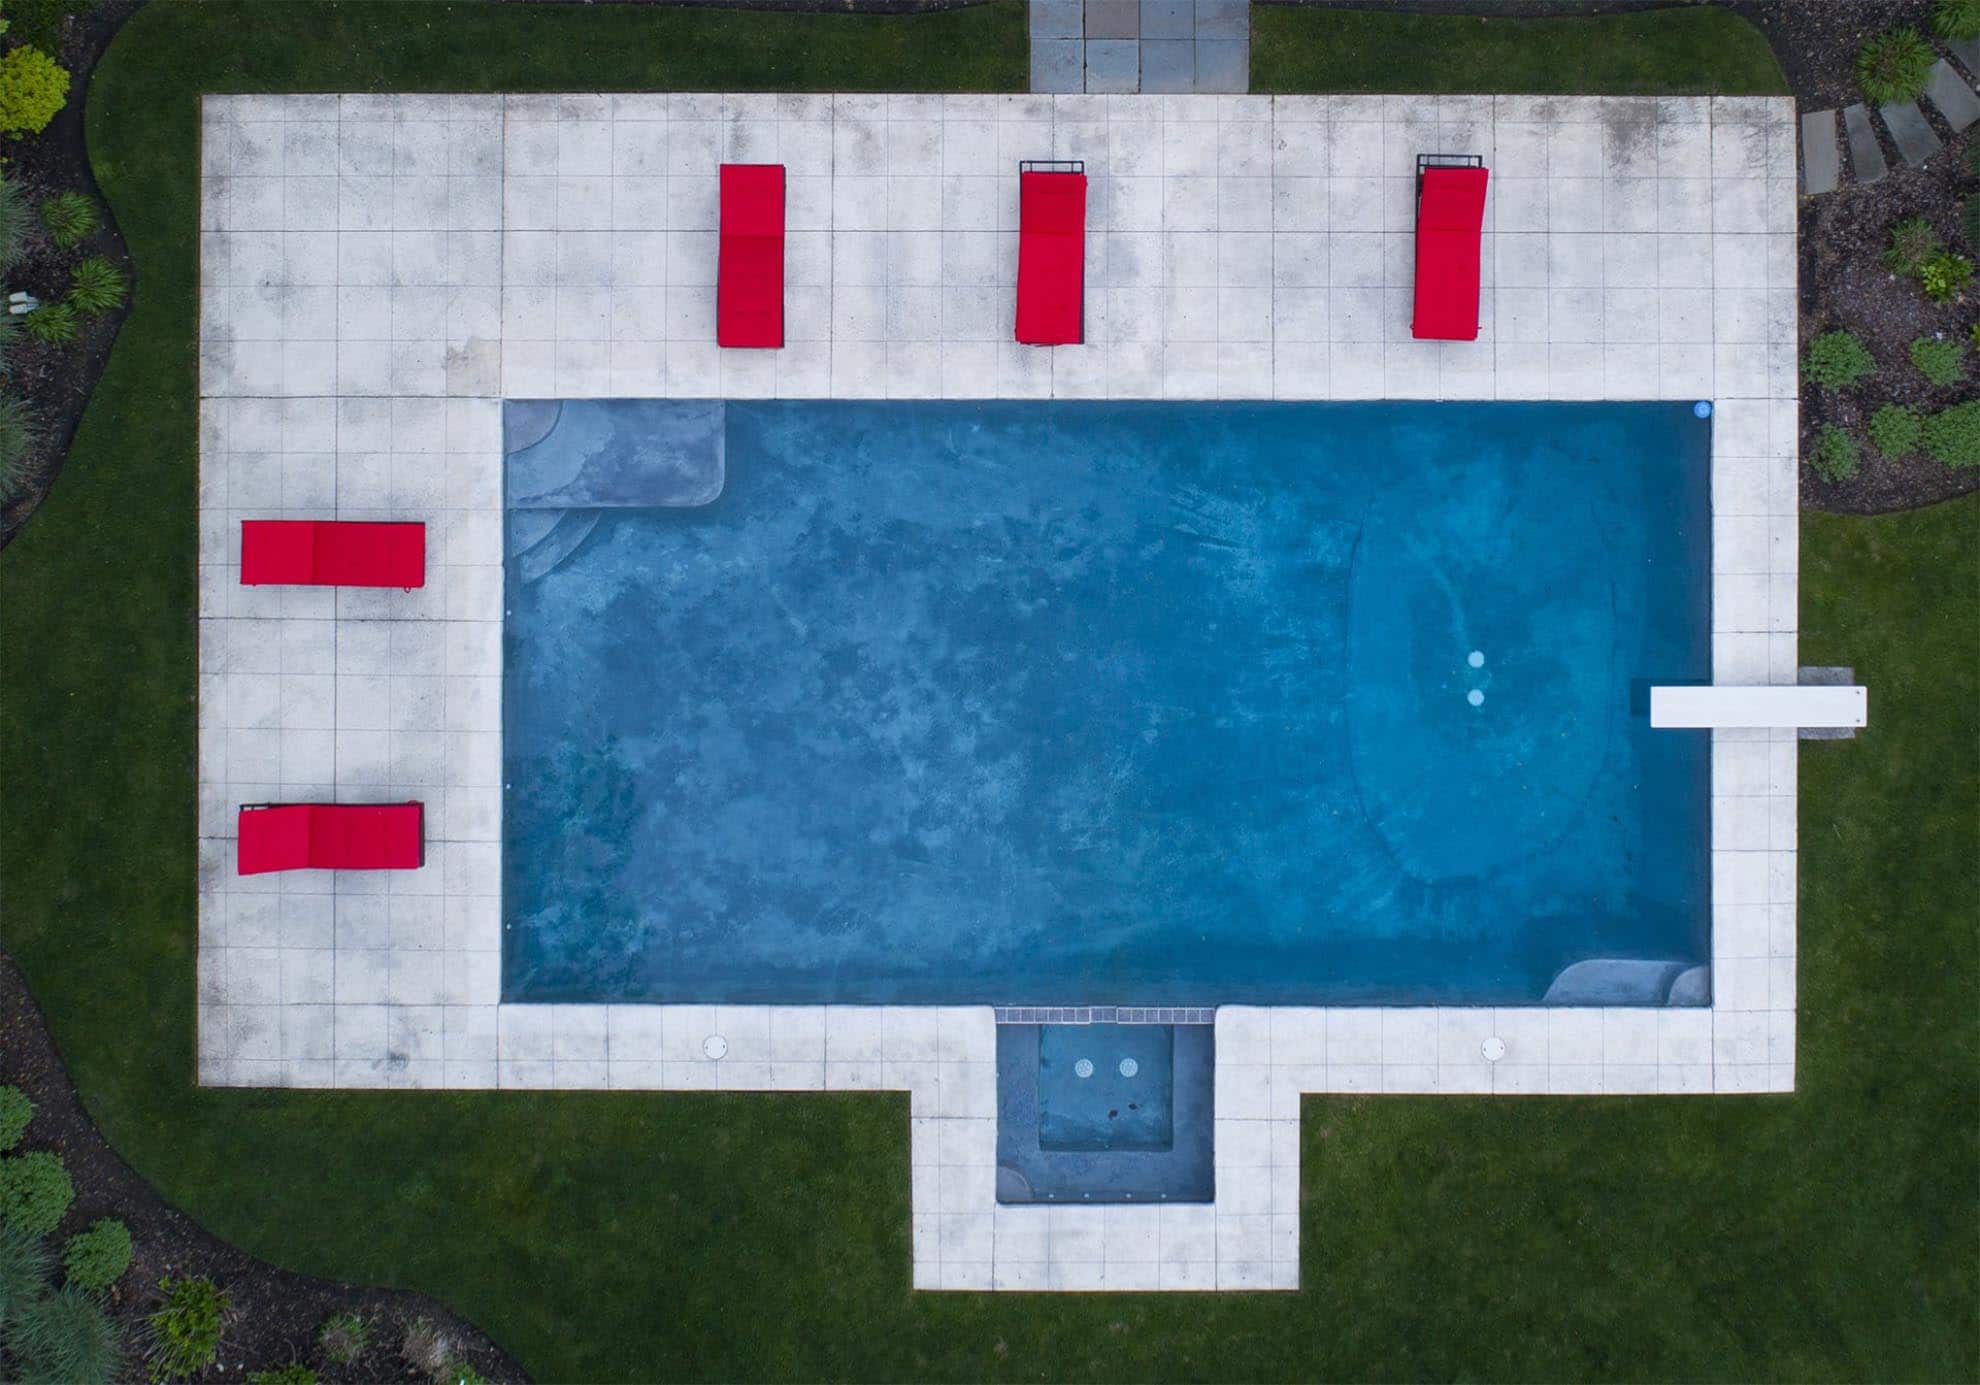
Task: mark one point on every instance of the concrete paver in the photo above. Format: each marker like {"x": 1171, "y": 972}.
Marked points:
{"x": 1866, "y": 155}
{"x": 1914, "y": 138}
{"x": 1058, "y": 65}
{"x": 1821, "y": 162}
{"x": 1953, "y": 95}
{"x": 1113, "y": 19}
{"x": 1113, "y": 66}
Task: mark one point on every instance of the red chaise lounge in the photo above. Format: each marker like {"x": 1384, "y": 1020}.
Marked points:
{"x": 331, "y": 836}
{"x": 749, "y": 272}
{"x": 1450, "y": 216}
{"x": 332, "y": 553}
{"x": 1051, "y": 280}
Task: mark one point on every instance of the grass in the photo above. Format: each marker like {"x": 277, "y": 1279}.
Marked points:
{"x": 603, "y": 1236}
{"x": 1663, "y": 52}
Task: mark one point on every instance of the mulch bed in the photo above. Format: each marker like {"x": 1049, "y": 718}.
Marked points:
{"x": 275, "y": 1314}
{"x": 1843, "y": 235}
{"x": 56, "y": 380}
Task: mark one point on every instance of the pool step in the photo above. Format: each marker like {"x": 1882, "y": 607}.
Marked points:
{"x": 541, "y": 558}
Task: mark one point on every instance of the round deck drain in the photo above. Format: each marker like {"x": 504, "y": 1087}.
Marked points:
{"x": 1129, "y": 1067}
{"x": 715, "y": 1046}
{"x": 1493, "y": 1048}
{"x": 1083, "y": 1068}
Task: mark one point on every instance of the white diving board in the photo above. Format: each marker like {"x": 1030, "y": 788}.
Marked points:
{"x": 1785, "y": 706}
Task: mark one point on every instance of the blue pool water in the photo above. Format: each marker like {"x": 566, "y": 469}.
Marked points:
{"x": 1108, "y": 703}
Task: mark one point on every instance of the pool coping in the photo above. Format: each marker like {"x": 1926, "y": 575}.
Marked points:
{"x": 378, "y": 272}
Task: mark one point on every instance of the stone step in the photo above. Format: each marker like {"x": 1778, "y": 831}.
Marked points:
{"x": 1967, "y": 50}
{"x": 1950, "y": 92}
{"x": 1821, "y": 160}
{"x": 1914, "y": 138}
{"x": 1866, "y": 156}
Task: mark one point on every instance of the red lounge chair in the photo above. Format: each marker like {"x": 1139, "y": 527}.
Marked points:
{"x": 1450, "y": 210}
{"x": 749, "y": 275}
{"x": 331, "y": 836}
{"x": 332, "y": 553}
{"x": 1051, "y": 283}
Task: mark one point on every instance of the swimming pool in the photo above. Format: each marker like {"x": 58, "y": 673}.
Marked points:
{"x": 1054, "y": 703}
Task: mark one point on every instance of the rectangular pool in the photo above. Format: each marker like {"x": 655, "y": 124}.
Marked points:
{"x": 1053, "y": 703}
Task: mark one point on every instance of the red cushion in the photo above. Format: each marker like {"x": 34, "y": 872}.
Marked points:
{"x": 749, "y": 276}
{"x": 1051, "y": 283}
{"x": 1450, "y": 212}
{"x": 331, "y": 836}
{"x": 339, "y": 553}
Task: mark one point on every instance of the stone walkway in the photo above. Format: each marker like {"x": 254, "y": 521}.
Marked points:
{"x": 1124, "y": 46}
{"x": 1949, "y": 91}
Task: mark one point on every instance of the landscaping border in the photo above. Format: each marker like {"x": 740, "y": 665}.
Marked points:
{"x": 604, "y": 1236}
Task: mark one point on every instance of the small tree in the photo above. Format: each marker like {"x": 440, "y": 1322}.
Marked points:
{"x": 33, "y": 86}
{"x": 35, "y": 1190}
{"x": 98, "y": 1257}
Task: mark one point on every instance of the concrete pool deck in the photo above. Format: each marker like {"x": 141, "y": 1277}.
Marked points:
{"x": 378, "y": 272}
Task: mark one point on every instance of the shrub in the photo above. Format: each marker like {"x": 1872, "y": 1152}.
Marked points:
{"x": 24, "y": 1265}
{"x": 19, "y": 432}
{"x": 33, "y": 86}
{"x": 1894, "y": 431}
{"x": 1953, "y": 435}
{"x": 54, "y": 323}
{"x": 69, "y": 216}
{"x": 1956, "y": 19}
{"x": 98, "y": 1257}
{"x": 1945, "y": 275}
{"x": 1913, "y": 241}
{"x": 1939, "y": 359}
{"x": 65, "y": 1336}
{"x": 1893, "y": 65}
{"x": 34, "y": 1191}
{"x": 10, "y": 333}
{"x": 1836, "y": 360}
{"x": 15, "y": 1108}
{"x": 427, "y": 1348}
{"x": 96, "y": 285}
{"x": 295, "y": 1373}
{"x": 1834, "y": 457}
{"x": 40, "y": 21}
{"x": 14, "y": 226}
{"x": 343, "y": 1337}
{"x": 185, "y": 1329}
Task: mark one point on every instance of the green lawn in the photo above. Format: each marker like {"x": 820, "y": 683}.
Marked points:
{"x": 1658, "y": 52}
{"x": 1828, "y": 1235}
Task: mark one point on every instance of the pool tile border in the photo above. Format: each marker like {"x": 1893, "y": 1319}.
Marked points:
{"x": 377, "y": 272}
